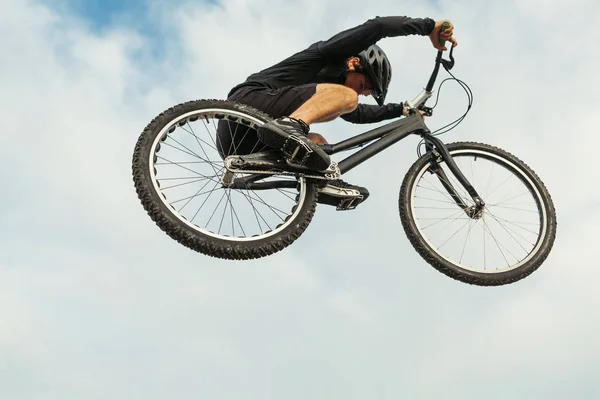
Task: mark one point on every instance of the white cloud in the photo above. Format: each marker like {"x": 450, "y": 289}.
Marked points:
{"x": 96, "y": 302}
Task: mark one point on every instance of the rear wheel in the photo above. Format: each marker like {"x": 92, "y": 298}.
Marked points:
{"x": 505, "y": 242}
{"x": 179, "y": 174}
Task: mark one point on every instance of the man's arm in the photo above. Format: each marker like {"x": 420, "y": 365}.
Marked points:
{"x": 352, "y": 41}
{"x": 367, "y": 113}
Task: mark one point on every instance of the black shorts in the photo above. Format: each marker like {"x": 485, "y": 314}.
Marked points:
{"x": 274, "y": 102}
{"x": 234, "y": 139}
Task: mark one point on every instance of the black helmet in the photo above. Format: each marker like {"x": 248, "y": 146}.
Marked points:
{"x": 378, "y": 69}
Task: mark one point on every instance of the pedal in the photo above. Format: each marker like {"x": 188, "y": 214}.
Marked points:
{"x": 292, "y": 147}
{"x": 349, "y": 204}
{"x": 342, "y": 199}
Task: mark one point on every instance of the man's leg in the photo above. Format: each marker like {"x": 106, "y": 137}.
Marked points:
{"x": 328, "y": 103}
{"x": 325, "y": 106}
{"x": 310, "y": 103}
{"x": 289, "y": 132}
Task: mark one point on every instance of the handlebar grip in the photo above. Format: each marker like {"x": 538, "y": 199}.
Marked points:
{"x": 445, "y": 26}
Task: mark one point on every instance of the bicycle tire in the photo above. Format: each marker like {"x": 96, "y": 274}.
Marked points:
{"x": 178, "y": 228}
{"x": 453, "y": 269}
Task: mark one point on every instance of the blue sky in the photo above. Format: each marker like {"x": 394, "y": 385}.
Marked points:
{"x": 104, "y": 13}
{"x": 96, "y": 302}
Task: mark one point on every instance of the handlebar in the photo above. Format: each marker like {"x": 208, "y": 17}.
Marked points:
{"x": 445, "y": 26}
{"x": 448, "y": 64}
{"x": 420, "y": 100}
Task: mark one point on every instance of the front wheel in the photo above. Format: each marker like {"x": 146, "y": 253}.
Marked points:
{"x": 502, "y": 243}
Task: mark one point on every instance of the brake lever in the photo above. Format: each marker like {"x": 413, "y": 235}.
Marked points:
{"x": 448, "y": 65}
{"x": 427, "y": 111}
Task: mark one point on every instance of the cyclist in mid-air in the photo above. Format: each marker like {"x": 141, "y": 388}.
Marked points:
{"x": 323, "y": 82}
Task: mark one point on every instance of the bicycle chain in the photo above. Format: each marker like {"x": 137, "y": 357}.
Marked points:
{"x": 327, "y": 177}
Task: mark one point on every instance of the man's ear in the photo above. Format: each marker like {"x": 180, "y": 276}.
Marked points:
{"x": 353, "y": 63}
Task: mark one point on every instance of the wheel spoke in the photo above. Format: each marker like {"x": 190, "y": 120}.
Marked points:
{"x": 445, "y": 192}
{"x": 439, "y": 220}
{"x": 201, "y": 147}
{"x": 189, "y": 162}
{"x": 198, "y": 138}
{"x": 437, "y": 201}
{"x": 510, "y": 233}
{"x": 514, "y": 208}
{"x": 215, "y": 211}
{"x": 275, "y": 210}
{"x": 520, "y": 225}
{"x": 224, "y": 212}
{"x": 187, "y": 169}
{"x": 454, "y": 234}
{"x": 184, "y": 184}
{"x": 466, "y": 240}
{"x": 204, "y": 202}
{"x": 489, "y": 181}
{"x": 186, "y": 151}
{"x": 286, "y": 194}
{"x": 256, "y": 212}
{"x": 510, "y": 198}
{"x": 500, "y": 185}
{"x": 198, "y": 194}
{"x": 488, "y": 230}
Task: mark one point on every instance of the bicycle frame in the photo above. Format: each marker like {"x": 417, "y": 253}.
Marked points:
{"x": 393, "y": 132}
{"x": 385, "y": 136}
{"x": 390, "y": 134}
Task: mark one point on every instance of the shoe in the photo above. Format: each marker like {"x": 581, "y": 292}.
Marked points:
{"x": 289, "y": 135}
{"x": 342, "y": 195}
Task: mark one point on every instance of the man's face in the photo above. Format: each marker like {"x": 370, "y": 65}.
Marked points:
{"x": 357, "y": 81}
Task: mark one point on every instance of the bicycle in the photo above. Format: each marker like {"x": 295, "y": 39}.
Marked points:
{"x": 446, "y": 202}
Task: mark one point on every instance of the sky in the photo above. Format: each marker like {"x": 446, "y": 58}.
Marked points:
{"x": 96, "y": 302}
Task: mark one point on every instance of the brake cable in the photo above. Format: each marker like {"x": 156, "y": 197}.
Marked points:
{"x": 447, "y": 128}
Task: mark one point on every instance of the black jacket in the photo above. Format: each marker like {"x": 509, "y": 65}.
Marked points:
{"x": 325, "y": 62}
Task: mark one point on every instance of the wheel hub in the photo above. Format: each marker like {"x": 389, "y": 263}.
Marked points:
{"x": 474, "y": 212}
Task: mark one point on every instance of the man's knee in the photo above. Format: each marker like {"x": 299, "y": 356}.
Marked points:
{"x": 317, "y": 138}
{"x": 351, "y": 98}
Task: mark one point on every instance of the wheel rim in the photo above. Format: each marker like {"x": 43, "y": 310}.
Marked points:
{"x": 512, "y": 226}
{"x": 186, "y": 169}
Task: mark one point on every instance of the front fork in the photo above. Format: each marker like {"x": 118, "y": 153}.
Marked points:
{"x": 440, "y": 153}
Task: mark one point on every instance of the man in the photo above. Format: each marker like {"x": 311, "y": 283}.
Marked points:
{"x": 323, "y": 82}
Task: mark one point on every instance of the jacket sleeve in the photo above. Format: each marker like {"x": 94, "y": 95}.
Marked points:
{"x": 352, "y": 41}
{"x": 367, "y": 113}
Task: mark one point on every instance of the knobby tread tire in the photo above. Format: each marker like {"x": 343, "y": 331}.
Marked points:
{"x": 452, "y": 270}
{"x": 182, "y": 233}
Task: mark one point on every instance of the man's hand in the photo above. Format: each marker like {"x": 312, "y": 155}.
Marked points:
{"x": 406, "y": 113}
{"x": 438, "y": 34}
